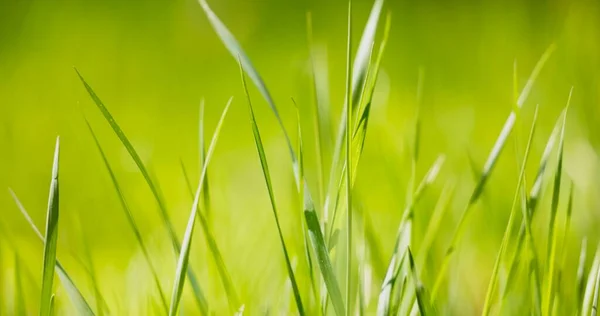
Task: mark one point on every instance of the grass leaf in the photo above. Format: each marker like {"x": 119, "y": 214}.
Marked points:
{"x": 552, "y": 236}
{"x": 198, "y": 294}
{"x": 509, "y": 226}
{"x": 182, "y": 263}
{"x": 267, "y": 176}
{"x": 51, "y": 238}
{"x": 488, "y": 168}
{"x": 130, "y": 219}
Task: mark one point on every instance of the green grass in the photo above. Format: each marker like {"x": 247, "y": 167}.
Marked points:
{"x": 343, "y": 244}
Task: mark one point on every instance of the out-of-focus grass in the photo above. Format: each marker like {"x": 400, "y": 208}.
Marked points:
{"x": 153, "y": 62}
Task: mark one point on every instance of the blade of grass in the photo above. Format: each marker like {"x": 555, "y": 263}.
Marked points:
{"x": 564, "y": 250}
{"x": 590, "y": 287}
{"x": 349, "y": 162}
{"x": 488, "y": 168}
{"x": 236, "y": 51}
{"x": 51, "y": 308}
{"x": 311, "y": 217}
{"x": 130, "y": 219}
{"x": 213, "y": 246}
{"x": 202, "y": 145}
{"x": 534, "y": 197}
{"x": 73, "y": 292}
{"x": 51, "y": 238}
{"x": 267, "y": 176}
{"x": 401, "y": 245}
{"x": 419, "y": 290}
{"x": 91, "y": 267}
{"x": 509, "y": 226}
{"x": 198, "y": 294}
{"x": 182, "y": 263}
{"x": 552, "y": 236}
{"x": 580, "y": 280}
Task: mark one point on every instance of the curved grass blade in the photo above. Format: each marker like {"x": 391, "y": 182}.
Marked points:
{"x": 590, "y": 287}
{"x": 198, "y": 294}
{"x": 51, "y": 309}
{"x": 130, "y": 219}
{"x": 202, "y": 145}
{"x": 73, "y": 292}
{"x": 534, "y": 197}
{"x": 213, "y": 247}
{"x": 488, "y": 168}
{"x": 51, "y": 238}
{"x": 580, "y": 281}
{"x": 552, "y": 236}
{"x": 182, "y": 263}
{"x": 234, "y": 48}
{"x": 419, "y": 290}
{"x": 509, "y": 226}
{"x": 267, "y": 176}
{"x": 315, "y": 233}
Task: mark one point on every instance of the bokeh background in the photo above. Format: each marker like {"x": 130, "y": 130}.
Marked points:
{"x": 152, "y": 62}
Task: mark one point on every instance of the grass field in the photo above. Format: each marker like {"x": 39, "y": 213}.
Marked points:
{"x": 313, "y": 158}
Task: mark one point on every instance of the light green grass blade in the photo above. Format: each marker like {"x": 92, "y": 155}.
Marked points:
{"x": 182, "y": 263}
{"x": 79, "y": 302}
{"x": 591, "y": 285}
{"x": 580, "y": 278}
{"x": 267, "y": 176}
{"x": 509, "y": 226}
{"x": 51, "y": 238}
{"x": 560, "y": 290}
{"x": 534, "y": 197}
{"x": 51, "y": 310}
{"x": 419, "y": 290}
{"x": 488, "y": 168}
{"x": 552, "y": 236}
{"x": 349, "y": 179}
{"x": 202, "y": 154}
{"x": 130, "y": 219}
{"x": 198, "y": 294}
{"x": 213, "y": 247}
{"x": 435, "y": 221}
{"x": 236, "y": 51}
{"x": 401, "y": 244}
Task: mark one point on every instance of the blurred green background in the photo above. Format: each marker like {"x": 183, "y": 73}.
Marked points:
{"x": 151, "y": 62}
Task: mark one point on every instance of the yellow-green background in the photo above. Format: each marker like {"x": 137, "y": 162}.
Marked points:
{"x": 152, "y": 62}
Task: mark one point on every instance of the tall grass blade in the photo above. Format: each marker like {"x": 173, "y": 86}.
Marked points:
{"x": 198, "y": 294}
{"x": 51, "y": 238}
{"x": 419, "y": 290}
{"x": 79, "y": 302}
{"x": 488, "y": 168}
{"x": 237, "y": 52}
{"x": 532, "y": 203}
{"x": 213, "y": 247}
{"x": 509, "y": 226}
{"x": 590, "y": 287}
{"x": 580, "y": 280}
{"x": 130, "y": 219}
{"x": 552, "y": 236}
{"x": 202, "y": 152}
{"x": 182, "y": 264}
{"x": 267, "y": 176}
{"x": 349, "y": 162}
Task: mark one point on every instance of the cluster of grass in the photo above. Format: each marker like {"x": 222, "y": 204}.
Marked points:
{"x": 337, "y": 252}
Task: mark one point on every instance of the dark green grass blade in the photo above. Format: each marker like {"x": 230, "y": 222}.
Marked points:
{"x": 198, "y": 294}
{"x": 51, "y": 238}
{"x": 488, "y": 168}
{"x": 130, "y": 219}
{"x": 213, "y": 247}
{"x": 73, "y": 292}
{"x": 509, "y": 226}
{"x": 182, "y": 263}
{"x": 267, "y": 176}
{"x": 552, "y": 236}
{"x": 419, "y": 290}
{"x": 202, "y": 149}
{"x": 237, "y": 52}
